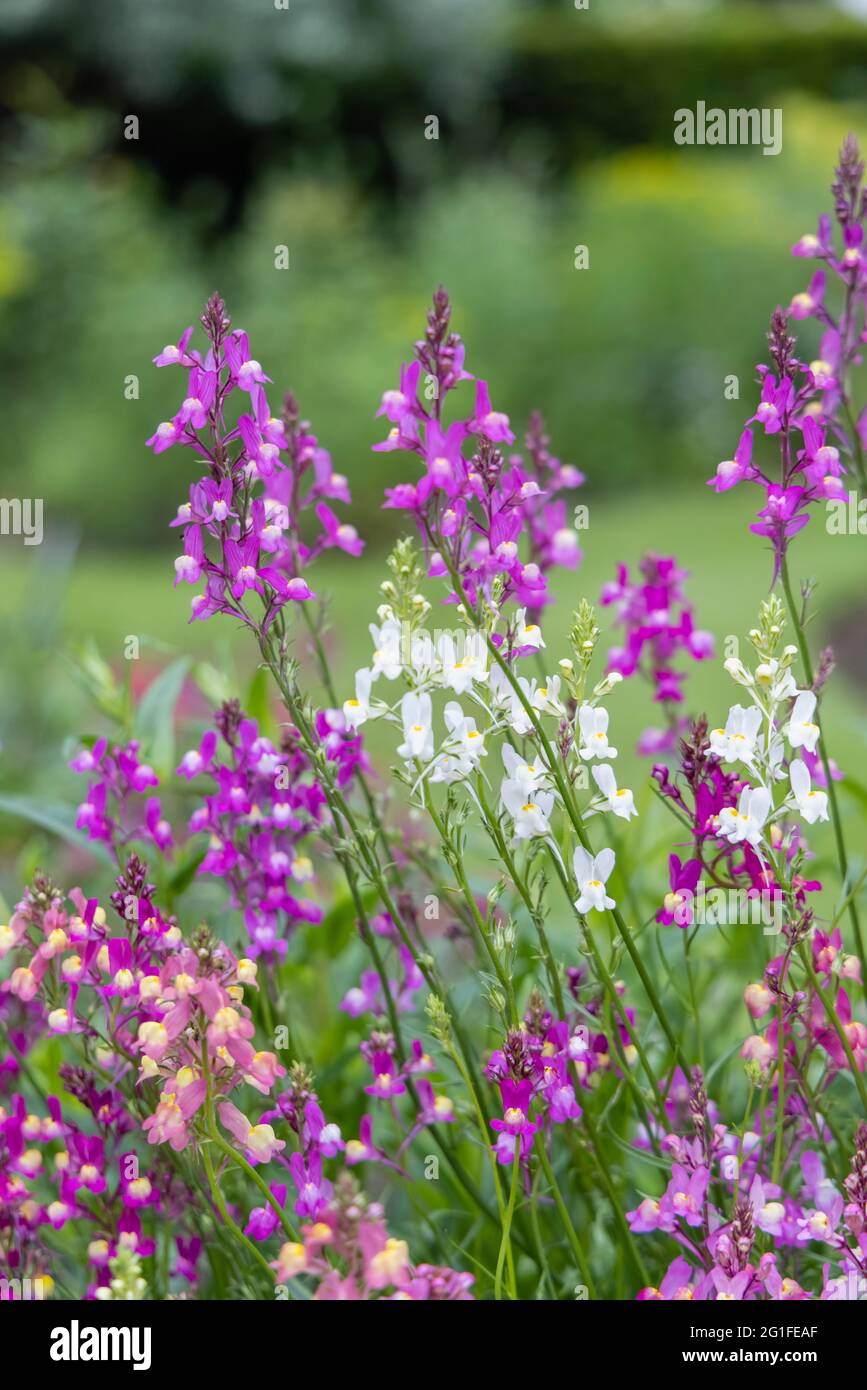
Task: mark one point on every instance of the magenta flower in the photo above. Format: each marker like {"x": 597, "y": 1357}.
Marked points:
{"x": 337, "y": 533}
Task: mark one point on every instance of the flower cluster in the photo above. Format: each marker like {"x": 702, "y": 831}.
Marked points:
{"x": 476, "y": 502}
{"x": 657, "y": 625}
{"x": 264, "y": 804}
{"x": 111, "y": 811}
{"x": 740, "y": 1233}
{"x": 806, "y": 407}
{"x": 449, "y": 983}
{"x": 264, "y": 475}
{"x": 745, "y": 787}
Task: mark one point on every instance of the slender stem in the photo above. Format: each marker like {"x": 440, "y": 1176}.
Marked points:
{"x": 233, "y": 1154}
{"x": 693, "y": 998}
{"x": 776, "y": 1167}
{"x": 571, "y": 1236}
{"x": 486, "y": 1144}
{"x": 227, "y": 1220}
{"x": 574, "y": 816}
{"x": 831, "y": 1012}
{"x": 804, "y": 649}
{"x": 505, "y": 1239}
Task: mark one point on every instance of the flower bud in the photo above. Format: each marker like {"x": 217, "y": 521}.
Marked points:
{"x": 738, "y": 671}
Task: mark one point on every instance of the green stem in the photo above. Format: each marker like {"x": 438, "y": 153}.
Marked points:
{"x": 831, "y": 1012}
{"x": 505, "y": 1239}
{"x": 233, "y": 1154}
{"x": 492, "y": 1162}
{"x": 804, "y": 649}
{"x": 571, "y": 1235}
{"x": 227, "y": 1220}
{"x": 574, "y": 815}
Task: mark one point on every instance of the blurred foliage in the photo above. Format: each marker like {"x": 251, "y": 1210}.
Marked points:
{"x": 688, "y": 255}
{"x": 261, "y": 128}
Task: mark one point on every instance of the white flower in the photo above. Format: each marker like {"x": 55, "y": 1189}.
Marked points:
{"x": 415, "y": 711}
{"x": 621, "y": 801}
{"x": 592, "y": 875}
{"x": 464, "y": 737}
{"x": 449, "y": 767}
{"x": 386, "y": 650}
{"x": 738, "y": 739}
{"x": 547, "y": 698}
{"x": 455, "y": 672}
{"x": 356, "y": 711}
{"x": 527, "y": 634}
{"x": 802, "y": 733}
{"x": 476, "y": 655}
{"x": 812, "y": 805}
{"x": 593, "y": 726}
{"x": 525, "y": 775}
{"x": 529, "y": 809}
{"x": 508, "y": 702}
{"x": 779, "y": 682}
{"x": 747, "y": 821}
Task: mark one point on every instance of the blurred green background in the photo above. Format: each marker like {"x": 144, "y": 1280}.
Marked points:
{"x": 305, "y": 127}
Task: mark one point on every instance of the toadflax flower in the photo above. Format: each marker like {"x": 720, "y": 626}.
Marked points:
{"x": 592, "y": 874}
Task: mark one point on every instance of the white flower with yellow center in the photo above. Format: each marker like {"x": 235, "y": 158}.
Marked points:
{"x": 463, "y": 737}
{"x": 592, "y": 874}
{"x": 356, "y": 712}
{"x": 386, "y": 650}
{"x": 530, "y": 810}
{"x": 547, "y": 698}
{"x": 593, "y": 729}
{"x": 527, "y": 634}
{"x": 506, "y": 701}
{"x": 778, "y": 681}
{"x": 812, "y": 805}
{"x": 454, "y": 670}
{"x": 737, "y": 741}
{"x": 619, "y": 801}
{"x": 747, "y": 822}
{"x": 528, "y": 776}
{"x": 802, "y": 732}
{"x": 416, "y": 715}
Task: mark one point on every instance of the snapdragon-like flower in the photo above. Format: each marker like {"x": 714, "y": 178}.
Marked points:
{"x": 658, "y": 625}
{"x": 249, "y": 523}
{"x": 112, "y": 811}
{"x": 491, "y": 518}
{"x": 806, "y": 407}
{"x": 591, "y": 874}
{"x": 593, "y": 726}
{"x": 262, "y": 805}
{"x": 618, "y": 800}
{"x": 812, "y": 805}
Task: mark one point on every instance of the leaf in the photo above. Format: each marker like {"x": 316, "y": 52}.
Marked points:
{"x": 53, "y": 816}
{"x": 213, "y": 683}
{"x": 256, "y": 703}
{"x": 339, "y": 926}
{"x": 721, "y": 1061}
{"x": 185, "y": 873}
{"x": 155, "y": 720}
